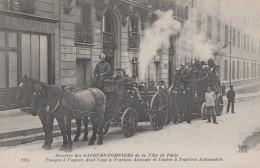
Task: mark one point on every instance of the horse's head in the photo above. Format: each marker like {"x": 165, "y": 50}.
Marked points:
{"x": 25, "y": 91}
{"x": 39, "y": 99}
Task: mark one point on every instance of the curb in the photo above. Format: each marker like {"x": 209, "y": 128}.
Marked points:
{"x": 32, "y": 138}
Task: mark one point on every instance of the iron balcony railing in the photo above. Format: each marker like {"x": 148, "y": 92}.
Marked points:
{"x": 83, "y": 33}
{"x": 109, "y": 38}
{"x": 133, "y": 40}
{"x": 25, "y": 6}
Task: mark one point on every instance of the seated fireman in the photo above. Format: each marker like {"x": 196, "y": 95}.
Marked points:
{"x": 102, "y": 71}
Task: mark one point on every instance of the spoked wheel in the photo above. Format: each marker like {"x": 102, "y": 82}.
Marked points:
{"x": 158, "y": 111}
{"x": 129, "y": 122}
{"x": 105, "y": 128}
{"x": 219, "y": 105}
{"x": 203, "y": 111}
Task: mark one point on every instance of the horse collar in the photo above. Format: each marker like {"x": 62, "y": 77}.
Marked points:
{"x": 55, "y": 107}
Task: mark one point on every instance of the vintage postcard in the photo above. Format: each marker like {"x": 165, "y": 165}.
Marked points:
{"x": 129, "y": 83}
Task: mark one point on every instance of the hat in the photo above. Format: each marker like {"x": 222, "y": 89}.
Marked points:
{"x": 102, "y": 55}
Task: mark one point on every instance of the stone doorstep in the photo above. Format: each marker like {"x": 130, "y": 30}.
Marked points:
{"x": 31, "y": 138}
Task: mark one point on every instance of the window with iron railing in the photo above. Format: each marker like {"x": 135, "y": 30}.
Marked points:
{"x": 83, "y": 33}
{"x": 25, "y": 6}
{"x": 83, "y": 27}
{"x": 133, "y": 35}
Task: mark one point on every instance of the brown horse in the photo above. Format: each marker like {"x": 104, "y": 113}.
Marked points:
{"x": 65, "y": 105}
{"x": 25, "y": 97}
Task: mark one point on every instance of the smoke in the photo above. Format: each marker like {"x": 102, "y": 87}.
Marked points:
{"x": 156, "y": 36}
{"x": 196, "y": 42}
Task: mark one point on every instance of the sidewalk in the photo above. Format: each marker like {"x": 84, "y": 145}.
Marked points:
{"x": 20, "y": 128}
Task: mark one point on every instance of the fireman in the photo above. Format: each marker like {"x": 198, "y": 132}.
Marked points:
{"x": 184, "y": 105}
{"x": 101, "y": 72}
{"x": 173, "y": 105}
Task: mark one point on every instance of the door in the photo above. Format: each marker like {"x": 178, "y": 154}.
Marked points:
{"x": 83, "y": 73}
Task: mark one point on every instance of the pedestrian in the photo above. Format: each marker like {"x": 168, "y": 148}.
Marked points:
{"x": 231, "y": 99}
{"x": 210, "y": 98}
{"x": 184, "y": 105}
{"x": 173, "y": 105}
{"x": 223, "y": 89}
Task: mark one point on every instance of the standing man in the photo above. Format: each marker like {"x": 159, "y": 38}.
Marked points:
{"x": 102, "y": 71}
{"x": 223, "y": 89}
{"x": 210, "y": 98}
{"x": 173, "y": 106}
{"x": 231, "y": 99}
{"x": 184, "y": 105}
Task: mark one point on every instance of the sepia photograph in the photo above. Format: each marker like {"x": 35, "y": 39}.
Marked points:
{"x": 129, "y": 83}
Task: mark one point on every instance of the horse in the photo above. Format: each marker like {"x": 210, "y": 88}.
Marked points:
{"x": 90, "y": 102}
{"x": 24, "y": 98}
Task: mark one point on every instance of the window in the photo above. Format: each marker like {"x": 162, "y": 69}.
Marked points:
{"x": 233, "y": 70}
{"x": 226, "y": 34}
{"x": 234, "y": 37}
{"x": 259, "y": 47}
{"x": 134, "y": 24}
{"x": 238, "y": 70}
{"x": 253, "y": 45}
{"x": 209, "y": 26}
{"x": 8, "y": 59}
{"x": 199, "y": 23}
{"x": 245, "y": 37}
{"x": 83, "y": 13}
{"x": 244, "y": 70}
{"x": 34, "y": 55}
{"x": 247, "y": 70}
{"x": 247, "y": 43}
{"x": 252, "y": 74}
{"x": 238, "y": 39}
{"x": 218, "y": 31}
{"x": 226, "y": 70}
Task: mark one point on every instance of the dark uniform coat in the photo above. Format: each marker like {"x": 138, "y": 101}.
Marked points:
{"x": 102, "y": 71}
{"x": 173, "y": 106}
{"x": 231, "y": 100}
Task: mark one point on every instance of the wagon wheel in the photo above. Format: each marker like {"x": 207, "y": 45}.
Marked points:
{"x": 158, "y": 111}
{"x": 129, "y": 122}
{"x": 203, "y": 111}
{"x": 105, "y": 128}
{"x": 219, "y": 105}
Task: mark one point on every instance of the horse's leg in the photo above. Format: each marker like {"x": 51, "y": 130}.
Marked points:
{"x": 50, "y": 120}
{"x": 67, "y": 120}
{"x": 93, "y": 137}
{"x": 63, "y": 132}
{"x": 45, "y": 127}
{"x": 101, "y": 111}
{"x": 78, "y": 122}
{"x": 85, "y": 121}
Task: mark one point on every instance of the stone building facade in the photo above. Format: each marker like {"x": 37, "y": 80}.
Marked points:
{"x": 59, "y": 41}
{"x": 232, "y": 30}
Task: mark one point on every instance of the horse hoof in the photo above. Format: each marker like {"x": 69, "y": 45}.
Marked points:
{"x": 48, "y": 147}
{"x": 44, "y": 146}
{"x": 69, "y": 149}
{"x": 99, "y": 142}
{"x": 76, "y": 139}
{"x": 91, "y": 143}
{"x": 85, "y": 138}
{"x": 63, "y": 148}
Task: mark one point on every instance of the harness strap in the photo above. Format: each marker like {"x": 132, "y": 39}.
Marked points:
{"x": 55, "y": 107}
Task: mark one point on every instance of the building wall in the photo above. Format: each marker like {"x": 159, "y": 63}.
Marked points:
{"x": 237, "y": 22}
